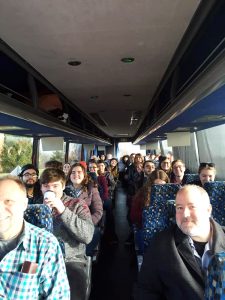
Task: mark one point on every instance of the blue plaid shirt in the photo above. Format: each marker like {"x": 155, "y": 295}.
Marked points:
{"x": 50, "y": 280}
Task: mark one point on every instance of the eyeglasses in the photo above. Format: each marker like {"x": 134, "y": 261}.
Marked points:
{"x": 207, "y": 164}
{"x": 30, "y": 175}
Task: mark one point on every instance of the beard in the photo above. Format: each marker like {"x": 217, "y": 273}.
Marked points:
{"x": 29, "y": 185}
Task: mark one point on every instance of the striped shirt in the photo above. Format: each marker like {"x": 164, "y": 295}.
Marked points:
{"x": 50, "y": 280}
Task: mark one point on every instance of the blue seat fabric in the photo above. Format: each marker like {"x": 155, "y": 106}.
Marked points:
{"x": 216, "y": 192}
{"x": 161, "y": 212}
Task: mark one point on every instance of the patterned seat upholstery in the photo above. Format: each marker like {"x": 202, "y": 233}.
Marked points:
{"x": 161, "y": 213}
{"x": 215, "y": 279}
{"x": 39, "y": 215}
{"x": 216, "y": 191}
{"x": 190, "y": 178}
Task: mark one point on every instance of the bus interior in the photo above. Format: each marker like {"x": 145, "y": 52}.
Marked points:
{"x": 100, "y": 73}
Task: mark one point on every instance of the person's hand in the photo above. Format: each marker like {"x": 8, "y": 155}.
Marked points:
{"x": 54, "y": 203}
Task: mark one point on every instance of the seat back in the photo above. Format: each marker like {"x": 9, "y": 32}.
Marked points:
{"x": 190, "y": 178}
{"x": 161, "y": 212}
{"x": 215, "y": 279}
{"x": 216, "y": 192}
{"x": 39, "y": 215}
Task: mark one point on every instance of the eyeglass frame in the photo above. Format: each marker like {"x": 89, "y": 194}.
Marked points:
{"x": 30, "y": 175}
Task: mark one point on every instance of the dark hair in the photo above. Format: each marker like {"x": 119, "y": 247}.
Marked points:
{"x": 54, "y": 164}
{"x": 52, "y": 175}
{"x": 148, "y": 161}
{"x": 177, "y": 160}
{"x": 207, "y": 165}
{"x": 27, "y": 167}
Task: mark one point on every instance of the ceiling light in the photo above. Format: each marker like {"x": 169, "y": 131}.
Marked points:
{"x": 74, "y": 63}
{"x": 93, "y": 97}
{"x": 127, "y": 60}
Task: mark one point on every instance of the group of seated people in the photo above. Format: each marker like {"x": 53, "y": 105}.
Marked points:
{"x": 76, "y": 201}
{"x": 32, "y": 263}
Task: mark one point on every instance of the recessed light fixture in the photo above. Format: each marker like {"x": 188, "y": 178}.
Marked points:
{"x": 127, "y": 95}
{"x": 74, "y": 63}
{"x": 127, "y": 60}
{"x": 93, "y": 97}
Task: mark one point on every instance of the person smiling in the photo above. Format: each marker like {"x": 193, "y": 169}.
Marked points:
{"x": 31, "y": 261}
{"x": 176, "y": 261}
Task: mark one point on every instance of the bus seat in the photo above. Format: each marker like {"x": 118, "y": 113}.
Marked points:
{"x": 39, "y": 215}
{"x": 188, "y": 178}
{"x": 216, "y": 191}
{"x": 215, "y": 278}
{"x": 161, "y": 212}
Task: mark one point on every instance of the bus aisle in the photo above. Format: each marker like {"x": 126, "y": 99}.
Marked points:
{"x": 116, "y": 270}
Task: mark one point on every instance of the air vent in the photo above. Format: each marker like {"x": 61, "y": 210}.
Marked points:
{"x": 98, "y": 119}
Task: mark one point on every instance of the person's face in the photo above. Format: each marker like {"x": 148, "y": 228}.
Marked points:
{"x": 101, "y": 167}
{"x": 13, "y": 202}
{"x": 29, "y": 177}
{"x": 206, "y": 175}
{"x": 132, "y": 158}
{"x": 57, "y": 187}
{"x": 77, "y": 175}
{"x": 192, "y": 212}
{"x": 159, "y": 181}
{"x": 139, "y": 167}
{"x": 102, "y": 157}
{"x": 113, "y": 163}
{"x": 93, "y": 168}
{"x": 179, "y": 169}
{"x": 165, "y": 165}
{"x": 139, "y": 159}
{"x": 149, "y": 167}
{"x": 66, "y": 168}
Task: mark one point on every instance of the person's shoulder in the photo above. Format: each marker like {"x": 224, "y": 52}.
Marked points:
{"x": 39, "y": 234}
{"x": 164, "y": 236}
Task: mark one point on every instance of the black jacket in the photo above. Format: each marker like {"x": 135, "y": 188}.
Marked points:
{"x": 169, "y": 269}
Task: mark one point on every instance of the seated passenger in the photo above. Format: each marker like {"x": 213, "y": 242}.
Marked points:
{"x": 165, "y": 164}
{"x": 177, "y": 258}
{"x": 178, "y": 171}
{"x": 207, "y": 172}
{"x": 148, "y": 168}
{"x": 31, "y": 261}
{"x": 66, "y": 168}
{"x": 71, "y": 220}
{"x": 54, "y": 164}
{"x": 142, "y": 198}
{"x": 29, "y": 176}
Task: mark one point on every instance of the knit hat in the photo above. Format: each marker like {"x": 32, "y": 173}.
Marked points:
{"x": 26, "y": 167}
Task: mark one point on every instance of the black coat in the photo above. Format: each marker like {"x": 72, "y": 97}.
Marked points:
{"x": 170, "y": 271}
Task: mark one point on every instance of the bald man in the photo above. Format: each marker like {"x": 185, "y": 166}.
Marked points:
{"x": 31, "y": 262}
{"x": 177, "y": 258}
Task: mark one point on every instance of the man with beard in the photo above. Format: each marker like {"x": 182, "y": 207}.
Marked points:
{"x": 175, "y": 263}
{"x": 29, "y": 176}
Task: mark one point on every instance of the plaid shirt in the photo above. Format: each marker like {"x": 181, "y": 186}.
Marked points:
{"x": 50, "y": 280}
